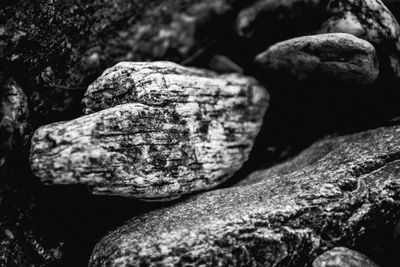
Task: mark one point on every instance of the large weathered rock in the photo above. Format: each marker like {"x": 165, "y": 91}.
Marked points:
{"x": 171, "y": 130}
{"x": 14, "y": 125}
{"x": 343, "y": 257}
{"x": 343, "y": 190}
{"x": 337, "y": 56}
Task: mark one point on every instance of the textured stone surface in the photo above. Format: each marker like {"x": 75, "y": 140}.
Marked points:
{"x": 342, "y": 190}
{"x": 163, "y": 131}
{"x": 14, "y": 115}
{"x": 343, "y": 257}
{"x": 337, "y": 56}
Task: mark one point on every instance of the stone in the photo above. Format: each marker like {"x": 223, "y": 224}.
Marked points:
{"x": 342, "y": 190}
{"x": 336, "y": 56}
{"x": 370, "y": 20}
{"x": 155, "y": 131}
{"x": 14, "y": 120}
{"x": 343, "y": 257}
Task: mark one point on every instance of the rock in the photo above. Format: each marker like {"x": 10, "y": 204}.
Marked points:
{"x": 337, "y": 56}
{"x": 372, "y": 21}
{"x": 342, "y": 190}
{"x": 161, "y": 131}
{"x": 343, "y": 257}
{"x": 369, "y": 20}
{"x": 59, "y": 47}
{"x": 14, "y": 116}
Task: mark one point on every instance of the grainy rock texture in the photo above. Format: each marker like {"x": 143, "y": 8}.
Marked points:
{"x": 337, "y": 56}
{"x": 342, "y": 190}
{"x": 343, "y": 257}
{"x": 14, "y": 125}
{"x": 163, "y": 131}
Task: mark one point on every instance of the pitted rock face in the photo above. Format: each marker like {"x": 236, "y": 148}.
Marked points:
{"x": 342, "y": 190}
{"x": 160, "y": 131}
{"x": 337, "y": 56}
{"x": 343, "y": 257}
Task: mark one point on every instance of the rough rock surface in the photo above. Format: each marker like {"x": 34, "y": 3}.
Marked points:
{"x": 337, "y": 56}
{"x": 342, "y": 190}
{"x": 343, "y": 257}
{"x": 13, "y": 119}
{"x": 163, "y": 131}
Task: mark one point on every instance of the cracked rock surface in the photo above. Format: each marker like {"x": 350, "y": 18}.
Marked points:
{"x": 342, "y": 190}
{"x": 160, "y": 131}
{"x": 337, "y": 56}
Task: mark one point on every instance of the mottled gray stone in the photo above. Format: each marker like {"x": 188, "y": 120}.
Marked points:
{"x": 14, "y": 115}
{"x": 338, "y": 56}
{"x": 343, "y": 257}
{"x": 155, "y": 131}
{"x": 341, "y": 190}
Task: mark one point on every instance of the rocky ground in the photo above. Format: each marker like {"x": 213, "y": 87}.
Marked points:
{"x": 199, "y": 133}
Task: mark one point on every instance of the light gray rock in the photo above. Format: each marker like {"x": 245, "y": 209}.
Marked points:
{"x": 338, "y": 56}
{"x": 160, "y": 131}
{"x": 341, "y": 190}
{"x": 343, "y": 257}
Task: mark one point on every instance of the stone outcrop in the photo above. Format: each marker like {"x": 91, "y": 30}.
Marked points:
{"x": 341, "y": 190}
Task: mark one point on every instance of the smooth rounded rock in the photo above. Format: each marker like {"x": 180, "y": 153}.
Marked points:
{"x": 338, "y": 56}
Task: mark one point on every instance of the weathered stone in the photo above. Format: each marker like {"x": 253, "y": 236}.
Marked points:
{"x": 342, "y": 190}
{"x": 163, "y": 131}
{"x": 343, "y": 257}
{"x": 14, "y": 115}
{"x": 337, "y": 56}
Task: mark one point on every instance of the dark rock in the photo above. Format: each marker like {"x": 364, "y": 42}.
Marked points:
{"x": 341, "y": 191}
{"x": 343, "y": 257}
{"x": 337, "y": 56}
{"x": 163, "y": 130}
{"x": 14, "y": 115}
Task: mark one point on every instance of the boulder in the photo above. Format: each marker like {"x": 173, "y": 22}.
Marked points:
{"x": 155, "y": 131}
{"x": 336, "y": 56}
{"x": 342, "y": 190}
